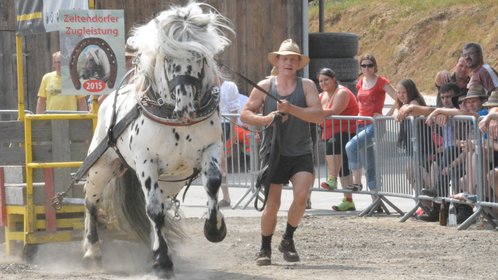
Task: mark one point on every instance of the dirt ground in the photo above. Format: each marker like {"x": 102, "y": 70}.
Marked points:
{"x": 331, "y": 247}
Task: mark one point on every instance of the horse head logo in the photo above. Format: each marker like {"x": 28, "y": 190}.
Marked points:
{"x": 96, "y": 66}
{"x": 99, "y": 63}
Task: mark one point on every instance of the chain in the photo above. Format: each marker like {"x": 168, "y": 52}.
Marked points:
{"x": 176, "y": 206}
{"x": 59, "y": 197}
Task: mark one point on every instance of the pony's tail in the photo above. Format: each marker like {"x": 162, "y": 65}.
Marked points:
{"x": 129, "y": 192}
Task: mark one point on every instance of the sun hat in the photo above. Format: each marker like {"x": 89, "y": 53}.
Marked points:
{"x": 475, "y": 92}
{"x": 492, "y": 100}
{"x": 288, "y": 47}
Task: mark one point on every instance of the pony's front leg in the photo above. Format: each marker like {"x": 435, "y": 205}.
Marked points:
{"x": 214, "y": 227}
{"x": 99, "y": 176}
{"x": 156, "y": 211}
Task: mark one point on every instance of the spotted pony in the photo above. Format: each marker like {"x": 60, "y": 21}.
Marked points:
{"x": 175, "y": 134}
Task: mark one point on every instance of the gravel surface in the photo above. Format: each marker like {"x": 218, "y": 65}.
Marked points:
{"x": 337, "y": 246}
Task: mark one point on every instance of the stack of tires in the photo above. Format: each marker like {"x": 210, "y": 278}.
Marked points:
{"x": 335, "y": 51}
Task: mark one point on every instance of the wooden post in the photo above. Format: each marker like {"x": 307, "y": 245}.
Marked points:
{"x": 50, "y": 219}
{"x": 3, "y": 203}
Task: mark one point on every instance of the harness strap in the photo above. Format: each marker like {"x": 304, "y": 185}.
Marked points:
{"x": 192, "y": 177}
{"x": 92, "y": 158}
{"x": 184, "y": 80}
{"x": 104, "y": 144}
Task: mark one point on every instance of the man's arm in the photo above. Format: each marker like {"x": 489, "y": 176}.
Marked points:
{"x": 249, "y": 114}
{"x": 451, "y": 112}
{"x": 413, "y": 110}
{"x": 41, "y": 105}
{"x": 490, "y": 123}
{"x": 82, "y": 105}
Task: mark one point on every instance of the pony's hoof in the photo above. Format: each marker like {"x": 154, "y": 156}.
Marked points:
{"x": 212, "y": 233}
{"x": 29, "y": 252}
{"x": 162, "y": 272}
{"x": 92, "y": 264}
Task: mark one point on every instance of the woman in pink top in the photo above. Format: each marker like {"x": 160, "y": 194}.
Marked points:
{"x": 337, "y": 100}
{"x": 372, "y": 90}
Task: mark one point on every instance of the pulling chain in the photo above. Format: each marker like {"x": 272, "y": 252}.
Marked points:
{"x": 176, "y": 206}
{"x": 59, "y": 197}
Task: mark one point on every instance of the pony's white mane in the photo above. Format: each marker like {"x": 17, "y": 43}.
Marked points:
{"x": 178, "y": 32}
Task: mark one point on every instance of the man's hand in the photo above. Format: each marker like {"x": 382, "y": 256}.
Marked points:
{"x": 431, "y": 118}
{"x": 284, "y": 106}
{"x": 403, "y": 112}
{"x": 441, "y": 120}
{"x": 442, "y": 78}
{"x": 484, "y": 123}
{"x": 269, "y": 118}
{"x": 489, "y": 124}
{"x": 493, "y": 129}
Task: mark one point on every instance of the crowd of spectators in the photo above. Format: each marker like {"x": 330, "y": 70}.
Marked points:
{"x": 449, "y": 164}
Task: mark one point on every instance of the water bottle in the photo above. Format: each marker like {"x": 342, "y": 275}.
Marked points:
{"x": 452, "y": 215}
{"x": 443, "y": 213}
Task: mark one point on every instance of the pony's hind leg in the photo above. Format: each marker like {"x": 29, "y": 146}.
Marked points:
{"x": 214, "y": 227}
{"x": 99, "y": 176}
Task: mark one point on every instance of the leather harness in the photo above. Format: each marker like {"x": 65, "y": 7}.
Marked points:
{"x": 151, "y": 109}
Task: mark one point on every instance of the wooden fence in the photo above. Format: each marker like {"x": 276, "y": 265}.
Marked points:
{"x": 260, "y": 27}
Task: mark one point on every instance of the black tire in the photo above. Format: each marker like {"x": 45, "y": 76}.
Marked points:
{"x": 333, "y": 45}
{"x": 346, "y": 69}
{"x": 351, "y": 85}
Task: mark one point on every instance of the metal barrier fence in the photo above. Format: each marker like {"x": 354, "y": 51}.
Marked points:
{"x": 413, "y": 160}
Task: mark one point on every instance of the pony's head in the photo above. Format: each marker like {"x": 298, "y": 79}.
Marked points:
{"x": 96, "y": 65}
{"x": 176, "y": 56}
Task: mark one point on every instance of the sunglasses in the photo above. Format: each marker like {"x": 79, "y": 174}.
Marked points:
{"x": 366, "y": 65}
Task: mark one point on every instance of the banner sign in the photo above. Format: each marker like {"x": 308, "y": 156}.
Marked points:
{"x": 29, "y": 17}
{"x": 92, "y": 51}
{"x": 51, "y": 10}
{"x": 40, "y": 16}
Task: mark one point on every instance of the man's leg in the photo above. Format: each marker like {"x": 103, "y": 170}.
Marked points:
{"x": 268, "y": 224}
{"x": 300, "y": 182}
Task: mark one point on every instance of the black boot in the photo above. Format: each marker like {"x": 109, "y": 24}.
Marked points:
{"x": 433, "y": 215}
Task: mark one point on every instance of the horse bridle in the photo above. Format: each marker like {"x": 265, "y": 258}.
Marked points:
{"x": 154, "y": 107}
{"x": 163, "y": 113}
{"x": 187, "y": 79}
{"x": 101, "y": 43}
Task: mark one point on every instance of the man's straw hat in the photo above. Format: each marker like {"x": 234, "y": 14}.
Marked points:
{"x": 476, "y": 92}
{"x": 288, "y": 47}
{"x": 492, "y": 100}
